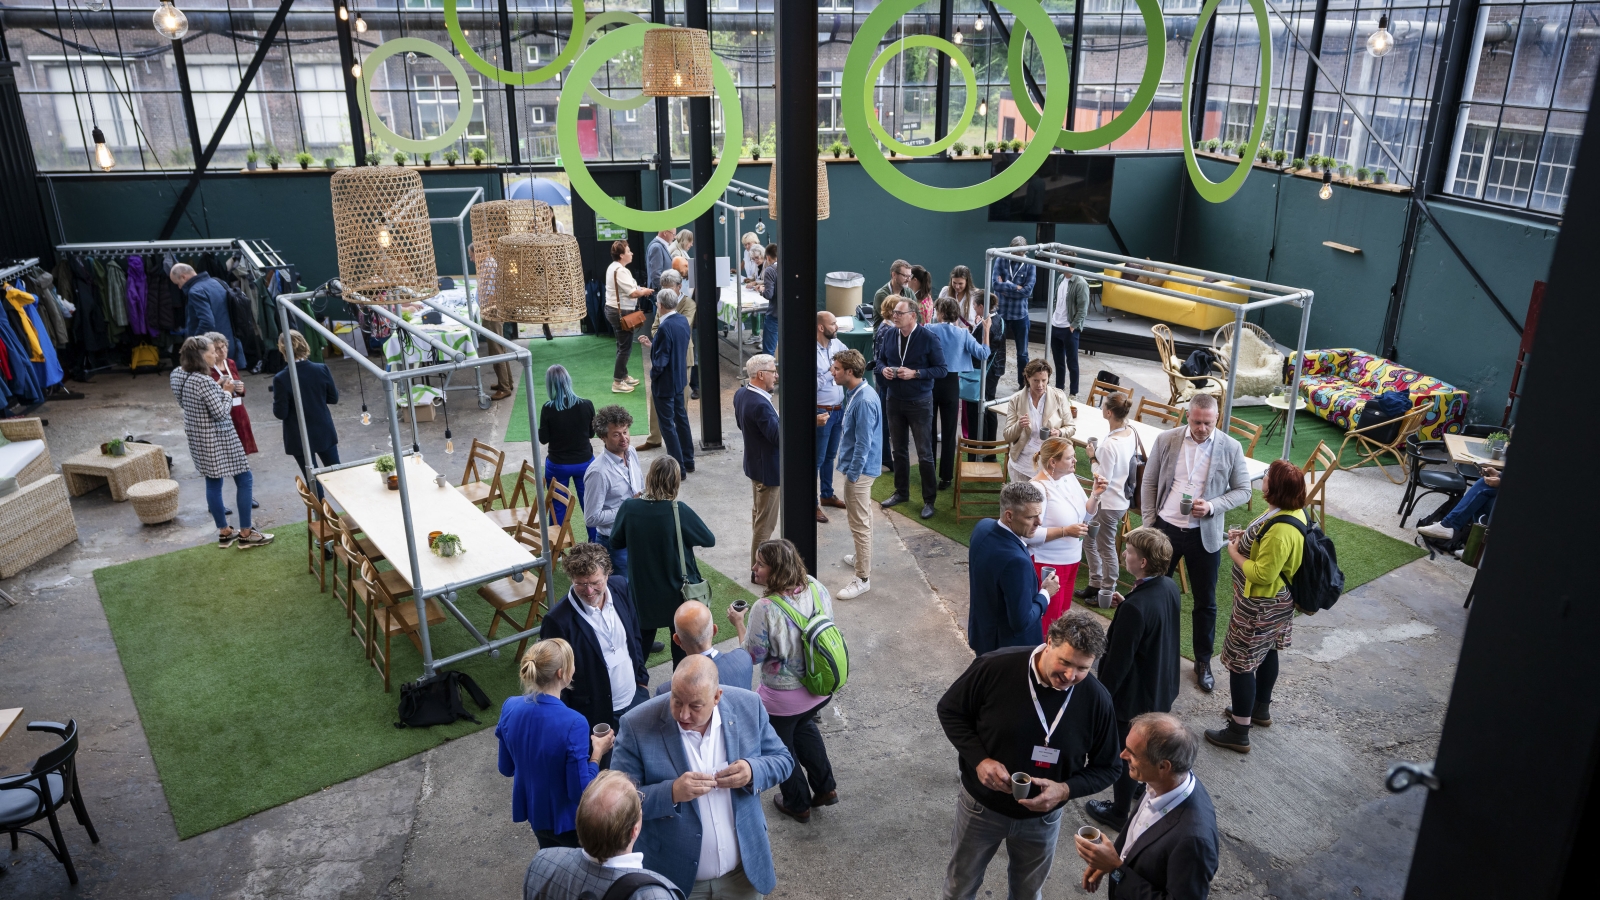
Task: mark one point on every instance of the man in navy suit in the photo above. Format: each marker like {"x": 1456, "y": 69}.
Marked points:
{"x": 669, "y": 376}
{"x": 1169, "y": 846}
{"x": 694, "y": 631}
{"x": 597, "y": 618}
{"x": 1008, "y": 602}
{"x": 756, "y": 414}
{"x": 701, "y": 756}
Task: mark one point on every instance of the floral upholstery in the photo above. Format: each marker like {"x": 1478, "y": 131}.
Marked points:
{"x": 1338, "y": 383}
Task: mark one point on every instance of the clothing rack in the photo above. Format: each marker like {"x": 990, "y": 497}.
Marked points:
{"x": 20, "y": 269}
{"x": 9, "y": 274}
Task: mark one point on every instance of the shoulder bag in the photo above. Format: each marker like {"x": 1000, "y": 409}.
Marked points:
{"x": 630, "y": 321}
{"x": 1136, "y": 471}
{"x": 692, "y": 590}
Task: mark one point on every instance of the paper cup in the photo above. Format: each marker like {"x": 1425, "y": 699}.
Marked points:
{"x": 1094, "y": 531}
{"x": 740, "y": 605}
{"x": 1021, "y": 784}
{"x": 1104, "y": 599}
{"x": 600, "y": 730}
{"x": 1090, "y": 834}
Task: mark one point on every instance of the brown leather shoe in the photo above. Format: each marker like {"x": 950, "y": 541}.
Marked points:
{"x": 646, "y": 446}
{"x": 821, "y": 517}
{"x": 499, "y": 393}
{"x": 834, "y": 502}
{"x": 828, "y": 799}
{"x": 802, "y": 817}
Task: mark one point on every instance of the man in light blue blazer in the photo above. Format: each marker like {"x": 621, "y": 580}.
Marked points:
{"x": 701, "y": 756}
{"x": 695, "y": 632}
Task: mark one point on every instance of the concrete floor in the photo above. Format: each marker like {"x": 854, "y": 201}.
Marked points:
{"x": 1304, "y": 816}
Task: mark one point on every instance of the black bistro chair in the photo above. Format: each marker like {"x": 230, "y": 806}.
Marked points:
{"x": 1421, "y": 459}
{"x": 37, "y": 795}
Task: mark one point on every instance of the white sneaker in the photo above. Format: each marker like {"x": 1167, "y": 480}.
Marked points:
{"x": 1438, "y": 532}
{"x": 854, "y": 589}
{"x": 849, "y": 559}
{"x": 752, "y": 338}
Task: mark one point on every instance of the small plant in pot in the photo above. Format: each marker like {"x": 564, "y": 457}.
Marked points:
{"x": 250, "y": 160}
{"x": 330, "y": 163}
{"x": 445, "y": 544}
{"x": 989, "y": 147}
{"x": 1212, "y": 145}
{"x": 274, "y": 158}
{"x": 958, "y": 148}
{"x": 1298, "y": 163}
{"x": 399, "y": 158}
{"x": 374, "y": 158}
{"x": 304, "y": 159}
{"x": 1278, "y": 156}
{"x": 1227, "y": 148}
{"x": 1344, "y": 170}
{"x": 849, "y": 151}
{"x": 477, "y": 155}
{"x": 1497, "y": 444}
{"x": 1018, "y": 146}
{"x": 836, "y": 148}
{"x": 1363, "y": 174}
{"x": 1380, "y": 176}
{"x": 450, "y": 156}
{"x": 114, "y": 447}
{"x": 385, "y": 468}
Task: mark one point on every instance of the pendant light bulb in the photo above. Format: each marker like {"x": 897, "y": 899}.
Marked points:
{"x": 977, "y": 24}
{"x": 1381, "y": 41}
{"x": 983, "y": 107}
{"x": 1327, "y": 186}
{"x": 170, "y": 21}
{"x": 361, "y": 25}
{"x": 385, "y": 239}
{"x": 102, "y": 153}
{"x": 958, "y": 37}
{"x": 355, "y": 71}
{"x": 96, "y": 5}
{"x": 449, "y": 444}
{"x": 677, "y": 79}
{"x": 366, "y": 417}
{"x": 344, "y": 14}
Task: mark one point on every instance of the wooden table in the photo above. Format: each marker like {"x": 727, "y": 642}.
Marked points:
{"x": 91, "y": 468}
{"x": 360, "y": 492}
{"x": 1474, "y": 451}
{"x": 8, "y": 718}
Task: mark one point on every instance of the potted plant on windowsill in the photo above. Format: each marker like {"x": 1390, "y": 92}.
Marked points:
{"x": 330, "y": 163}
{"x": 1298, "y": 164}
{"x": 250, "y": 159}
{"x": 427, "y": 158}
{"x": 304, "y": 159}
{"x": 836, "y": 148}
{"x": 1363, "y": 174}
{"x": 957, "y": 149}
{"x": 385, "y": 467}
{"x": 446, "y": 544}
{"x": 450, "y": 157}
{"x": 1380, "y": 176}
{"x": 374, "y": 158}
{"x": 1278, "y": 156}
{"x": 849, "y": 151}
{"x": 399, "y": 158}
{"x": 989, "y": 147}
{"x": 273, "y": 159}
{"x": 477, "y": 155}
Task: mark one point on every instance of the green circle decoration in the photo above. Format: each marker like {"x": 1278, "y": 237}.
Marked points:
{"x": 452, "y": 25}
{"x": 962, "y": 63}
{"x": 1155, "y": 28}
{"x": 1030, "y": 15}
{"x": 572, "y": 91}
{"x": 427, "y": 48}
{"x": 589, "y": 30}
{"x": 1219, "y": 191}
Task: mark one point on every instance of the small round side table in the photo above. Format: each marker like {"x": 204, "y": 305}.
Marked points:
{"x": 1280, "y": 415}
{"x": 154, "y": 501}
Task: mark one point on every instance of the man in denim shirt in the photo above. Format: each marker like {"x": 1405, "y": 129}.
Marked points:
{"x": 860, "y": 460}
{"x": 1013, "y": 289}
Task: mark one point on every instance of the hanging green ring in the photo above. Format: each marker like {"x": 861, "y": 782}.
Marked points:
{"x": 463, "y": 87}
{"x": 572, "y": 91}
{"x": 952, "y": 199}
{"x": 1218, "y": 191}
{"x": 595, "y": 24}
{"x": 962, "y": 63}
{"x": 1155, "y": 27}
{"x": 452, "y": 25}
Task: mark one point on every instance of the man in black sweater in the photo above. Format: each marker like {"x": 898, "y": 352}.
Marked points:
{"x": 1035, "y": 712}
{"x": 910, "y": 360}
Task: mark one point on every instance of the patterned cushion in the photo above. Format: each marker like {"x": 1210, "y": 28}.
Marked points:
{"x": 1338, "y": 383}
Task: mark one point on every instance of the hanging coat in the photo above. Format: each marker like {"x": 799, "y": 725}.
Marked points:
{"x": 165, "y": 304}
{"x": 137, "y": 288}
{"x": 89, "y": 325}
{"x": 42, "y": 285}
{"x": 20, "y": 301}
{"x": 24, "y": 379}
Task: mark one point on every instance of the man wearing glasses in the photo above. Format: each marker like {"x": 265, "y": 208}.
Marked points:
{"x": 910, "y": 360}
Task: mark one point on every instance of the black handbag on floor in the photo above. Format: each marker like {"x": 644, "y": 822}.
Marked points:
{"x": 437, "y": 700}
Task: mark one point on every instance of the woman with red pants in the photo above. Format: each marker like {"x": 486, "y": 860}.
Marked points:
{"x": 1058, "y": 541}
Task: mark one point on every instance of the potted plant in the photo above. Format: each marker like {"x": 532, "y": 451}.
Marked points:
{"x": 755, "y": 152}
{"x": 385, "y": 467}
{"x": 399, "y": 158}
{"x": 446, "y": 544}
{"x": 1263, "y": 155}
{"x": 1363, "y": 174}
{"x": 849, "y": 151}
{"x": 427, "y": 158}
{"x": 958, "y": 148}
{"x": 250, "y": 159}
{"x": 304, "y": 159}
{"x": 1017, "y": 146}
{"x": 477, "y": 155}
{"x": 837, "y": 148}
{"x": 1380, "y": 176}
{"x": 989, "y": 147}
{"x": 1278, "y": 156}
{"x": 330, "y": 163}
{"x": 1496, "y": 440}
{"x": 1298, "y": 163}
{"x": 450, "y": 156}
{"x": 374, "y": 158}
{"x": 1227, "y": 148}
{"x": 114, "y": 447}
{"x": 274, "y": 158}
{"x": 1344, "y": 170}
{"x": 1211, "y": 145}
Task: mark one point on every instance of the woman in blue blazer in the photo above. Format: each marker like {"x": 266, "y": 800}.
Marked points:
{"x": 546, "y": 749}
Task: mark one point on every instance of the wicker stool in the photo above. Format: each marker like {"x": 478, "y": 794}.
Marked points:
{"x": 155, "y": 501}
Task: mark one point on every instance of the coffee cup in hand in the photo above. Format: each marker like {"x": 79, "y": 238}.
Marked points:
{"x": 1186, "y": 504}
{"x": 739, "y": 605}
{"x": 1021, "y": 784}
{"x": 1090, "y": 834}
{"x": 601, "y": 730}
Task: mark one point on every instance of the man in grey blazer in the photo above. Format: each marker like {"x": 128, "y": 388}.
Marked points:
{"x": 701, "y": 756}
{"x": 609, "y": 822}
{"x": 694, "y": 632}
{"x": 1206, "y": 466}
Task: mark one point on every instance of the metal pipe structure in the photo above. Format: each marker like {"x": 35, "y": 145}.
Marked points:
{"x": 709, "y": 357}
{"x": 1090, "y": 263}
{"x": 460, "y": 221}
{"x": 444, "y": 593}
{"x": 711, "y": 414}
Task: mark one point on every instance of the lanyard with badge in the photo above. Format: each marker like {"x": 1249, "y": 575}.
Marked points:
{"x": 1045, "y": 756}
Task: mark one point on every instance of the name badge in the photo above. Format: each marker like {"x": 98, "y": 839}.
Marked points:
{"x": 1046, "y": 756}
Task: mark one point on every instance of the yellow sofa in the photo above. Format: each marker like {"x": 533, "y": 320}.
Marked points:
{"x": 1130, "y": 296}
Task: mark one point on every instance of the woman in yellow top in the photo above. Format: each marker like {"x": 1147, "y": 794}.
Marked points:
{"x": 1265, "y": 559}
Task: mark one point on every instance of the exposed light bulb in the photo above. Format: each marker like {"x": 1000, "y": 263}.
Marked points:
{"x": 385, "y": 239}
{"x": 366, "y": 417}
{"x": 411, "y": 57}
{"x": 677, "y": 79}
{"x": 355, "y": 71}
{"x": 96, "y": 5}
{"x": 983, "y": 107}
{"x": 102, "y": 153}
{"x": 722, "y": 219}
{"x": 344, "y": 14}
{"x": 977, "y": 24}
{"x": 1327, "y": 186}
{"x": 170, "y": 21}
{"x": 1381, "y": 41}
{"x": 761, "y": 228}
{"x": 361, "y": 25}
{"x": 958, "y": 37}
{"x": 449, "y": 446}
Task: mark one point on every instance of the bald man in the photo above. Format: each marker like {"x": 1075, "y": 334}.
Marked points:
{"x": 701, "y": 755}
{"x": 694, "y": 632}
{"x": 608, "y": 825}
{"x": 205, "y": 307}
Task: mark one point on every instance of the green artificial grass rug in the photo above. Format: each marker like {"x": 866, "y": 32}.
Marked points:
{"x": 1308, "y": 430}
{"x": 590, "y": 360}
{"x": 251, "y": 690}
{"x": 1364, "y": 554}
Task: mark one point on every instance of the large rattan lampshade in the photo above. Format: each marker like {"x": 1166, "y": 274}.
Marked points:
{"x": 494, "y": 220}
{"x": 385, "y": 244}
{"x": 538, "y": 279}
{"x": 822, "y": 191}
{"x": 677, "y": 62}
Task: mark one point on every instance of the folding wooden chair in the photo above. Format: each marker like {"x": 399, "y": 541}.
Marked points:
{"x": 1248, "y": 433}
{"x": 1318, "y": 467}
{"x": 1164, "y": 413}
{"x": 320, "y": 534}
{"x": 1373, "y": 441}
{"x": 389, "y": 615}
{"x": 969, "y": 472}
{"x": 1100, "y": 389}
{"x": 508, "y": 594}
{"x": 517, "y": 509}
{"x": 474, "y": 487}
{"x": 358, "y": 549}
{"x": 356, "y": 600}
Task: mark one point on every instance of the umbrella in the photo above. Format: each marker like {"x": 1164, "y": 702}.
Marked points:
{"x": 551, "y": 192}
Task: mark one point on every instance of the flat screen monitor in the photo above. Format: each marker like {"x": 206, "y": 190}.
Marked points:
{"x": 1069, "y": 189}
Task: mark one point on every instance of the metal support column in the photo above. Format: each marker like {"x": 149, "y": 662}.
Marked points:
{"x": 797, "y": 285}
{"x": 708, "y": 356}
{"x": 511, "y": 89}
{"x": 1202, "y": 81}
{"x": 1077, "y": 64}
{"x": 941, "y": 92}
{"x": 658, "y": 13}
{"x": 181, "y": 66}
{"x": 1308, "y": 92}
{"x": 352, "y": 88}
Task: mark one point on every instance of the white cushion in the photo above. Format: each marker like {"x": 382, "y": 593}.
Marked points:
{"x": 15, "y": 456}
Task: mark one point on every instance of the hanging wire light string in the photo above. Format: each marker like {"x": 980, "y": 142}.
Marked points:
{"x": 361, "y": 383}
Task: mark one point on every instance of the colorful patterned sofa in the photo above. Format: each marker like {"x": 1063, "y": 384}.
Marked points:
{"x": 1338, "y": 383}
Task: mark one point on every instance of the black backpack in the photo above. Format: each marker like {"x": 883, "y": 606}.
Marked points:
{"x": 437, "y": 700}
{"x": 1317, "y": 584}
{"x": 628, "y": 885}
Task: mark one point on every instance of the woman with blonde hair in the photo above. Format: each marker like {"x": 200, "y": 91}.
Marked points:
{"x": 226, "y": 374}
{"x": 777, "y": 646}
{"x": 660, "y": 534}
{"x": 755, "y": 256}
{"x": 1034, "y": 414}
{"x": 214, "y": 446}
{"x": 546, "y": 748}
{"x": 1063, "y": 521}
{"x": 317, "y": 393}
{"x": 682, "y": 243}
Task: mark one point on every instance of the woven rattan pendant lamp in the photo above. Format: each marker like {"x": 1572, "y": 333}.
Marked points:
{"x": 385, "y": 244}
{"x": 494, "y": 220}
{"x": 677, "y": 62}
{"x": 822, "y": 191}
{"x": 538, "y": 279}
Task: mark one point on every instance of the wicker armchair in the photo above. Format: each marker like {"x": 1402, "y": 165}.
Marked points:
{"x": 1184, "y": 387}
{"x": 35, "y": 521}
{"x": 29, "y": 430}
